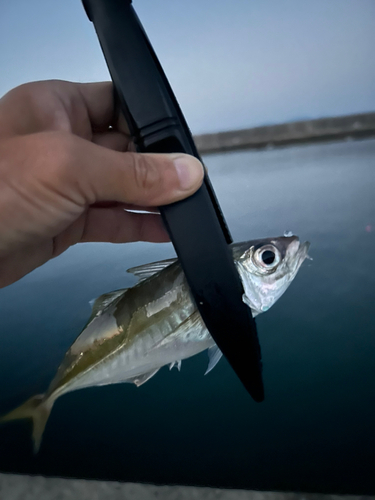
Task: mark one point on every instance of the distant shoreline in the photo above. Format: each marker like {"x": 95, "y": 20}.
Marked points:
{"x": 322, "y": 129}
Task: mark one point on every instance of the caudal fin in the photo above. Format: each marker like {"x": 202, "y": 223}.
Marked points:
{"x": 38, "y": 410}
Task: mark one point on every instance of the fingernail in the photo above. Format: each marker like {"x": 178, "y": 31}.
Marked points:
{"x": 189, "y": 171}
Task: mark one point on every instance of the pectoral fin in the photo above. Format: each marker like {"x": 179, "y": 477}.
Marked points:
{"x": 214, "y": 356}
{"x": 246, "y": 300}
{"x": 103, "y": 301}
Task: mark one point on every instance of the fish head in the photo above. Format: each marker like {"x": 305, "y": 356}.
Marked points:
{"x": 267, "y": 267}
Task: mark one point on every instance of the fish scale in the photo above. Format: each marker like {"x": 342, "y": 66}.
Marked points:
{"x": 133, "y": 332}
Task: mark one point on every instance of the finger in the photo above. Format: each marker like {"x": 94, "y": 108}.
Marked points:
{"x": 111, "y": 225}
{"x": 122, "y": 125}
{"x": 99, "y": 100}
{"x": 101, "y": 174}
{"x": 131, "y": 147}
{"x": 102, "y": 107}
{"x": 57, "y": 105}
{"x": 119, "y": 226}
{"x": 111, "y": 140}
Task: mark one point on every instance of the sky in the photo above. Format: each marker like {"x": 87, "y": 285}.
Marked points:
{"x": 232, "y": 64}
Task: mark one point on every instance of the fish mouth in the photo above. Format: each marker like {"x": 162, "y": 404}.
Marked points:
{"x": 297, "y": 253}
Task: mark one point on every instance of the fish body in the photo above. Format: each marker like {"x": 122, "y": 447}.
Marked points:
{"x": 133, "y": 332}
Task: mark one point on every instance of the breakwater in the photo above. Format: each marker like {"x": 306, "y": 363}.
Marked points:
{"x": 322, "y": 129}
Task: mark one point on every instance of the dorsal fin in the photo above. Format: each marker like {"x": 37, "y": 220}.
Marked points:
{"x": 146, "y": 270}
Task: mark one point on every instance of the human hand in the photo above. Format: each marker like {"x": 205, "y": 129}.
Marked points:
{"x": 67, "y": 175}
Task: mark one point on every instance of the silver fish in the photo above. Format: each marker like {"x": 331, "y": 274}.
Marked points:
{"x": 133, "y": 332}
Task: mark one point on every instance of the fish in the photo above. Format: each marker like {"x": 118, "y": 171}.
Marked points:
{"x": 133, "y": 332}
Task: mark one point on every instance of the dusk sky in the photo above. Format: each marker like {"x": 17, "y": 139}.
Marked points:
{"x": 232, "y": 64}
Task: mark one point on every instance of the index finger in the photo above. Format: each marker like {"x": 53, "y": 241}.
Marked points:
{"x": 103, "y": 107}
{"x": 57, "y": 105}
{"x": 100, "y": 103}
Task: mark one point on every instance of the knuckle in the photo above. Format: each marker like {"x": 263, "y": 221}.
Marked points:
{"x": 39, "y": 154}
{"x": 60, "y": 148}
{"x": 21, "y": 92}
{"x": 28, "y": 95}
{"x": 55, "y": 152}
{"x": 147, "y": 177}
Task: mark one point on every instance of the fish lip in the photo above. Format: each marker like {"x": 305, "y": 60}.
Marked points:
{"x": 297, "y": 258}
{"x": 303, "y": 249}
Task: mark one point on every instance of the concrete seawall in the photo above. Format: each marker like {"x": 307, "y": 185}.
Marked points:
{"x": 15, "y": 487}
{"x": 323, "y": 129}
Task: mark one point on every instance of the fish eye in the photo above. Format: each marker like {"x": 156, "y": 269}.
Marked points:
{"x": 267, "y": 257}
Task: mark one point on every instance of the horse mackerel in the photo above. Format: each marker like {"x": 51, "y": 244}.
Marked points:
{"x": 133, "y": 332}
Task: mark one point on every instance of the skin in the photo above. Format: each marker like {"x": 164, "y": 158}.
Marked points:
{"x": 69, "y": 174}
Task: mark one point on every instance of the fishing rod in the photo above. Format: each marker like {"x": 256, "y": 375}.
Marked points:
{"x": 196, "y": 225}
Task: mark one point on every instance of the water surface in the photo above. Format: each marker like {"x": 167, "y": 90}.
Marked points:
{"x": 314, "y": 432}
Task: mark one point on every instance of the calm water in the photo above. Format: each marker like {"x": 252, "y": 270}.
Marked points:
{"x": 314, "y": 432}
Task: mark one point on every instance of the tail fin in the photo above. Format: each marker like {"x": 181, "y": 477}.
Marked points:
{"x": 38, "y": 410}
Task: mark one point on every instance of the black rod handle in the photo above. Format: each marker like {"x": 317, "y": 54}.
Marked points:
{"x": 196, "y": 225}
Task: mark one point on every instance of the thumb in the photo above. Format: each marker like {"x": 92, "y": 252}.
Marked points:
{"x": 143, "y": 179}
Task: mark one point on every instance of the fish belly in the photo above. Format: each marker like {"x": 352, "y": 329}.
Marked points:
{"x": 156, "y": 346}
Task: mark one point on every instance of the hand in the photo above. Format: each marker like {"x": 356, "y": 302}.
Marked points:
{"x": 67, "y": 175}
